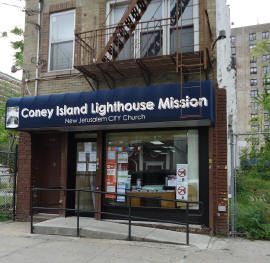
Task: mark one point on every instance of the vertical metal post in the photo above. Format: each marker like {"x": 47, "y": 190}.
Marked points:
{"x": 78, "y": 213}
{"x": 15, "y": 183}
{"x": 232, "y": 181}
{"x": 129, "y": 218}
{"x": 31, "y": 211}
{"x": 187, "y": 223}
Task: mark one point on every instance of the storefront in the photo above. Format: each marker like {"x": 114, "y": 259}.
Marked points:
{"x": 123, "y": 141}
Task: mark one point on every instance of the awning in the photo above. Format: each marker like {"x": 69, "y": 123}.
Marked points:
{"x": 167, "y": 105}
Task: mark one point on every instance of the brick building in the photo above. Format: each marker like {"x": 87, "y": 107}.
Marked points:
{"x": 124, "y": 105}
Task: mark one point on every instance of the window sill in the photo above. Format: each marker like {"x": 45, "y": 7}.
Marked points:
{"x": 59, "y": 73}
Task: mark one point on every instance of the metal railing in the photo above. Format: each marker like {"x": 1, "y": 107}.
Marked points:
{"x": 150, "y": 38}
{"x": 128, "y": 216}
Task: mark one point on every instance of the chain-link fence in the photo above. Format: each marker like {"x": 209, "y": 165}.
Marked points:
{"x": 8, "y": 170}
{"x": 250, "y": 185}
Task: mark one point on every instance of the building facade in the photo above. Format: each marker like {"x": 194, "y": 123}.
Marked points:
{"x": 129, "y": 104}
{"x": 252, "y": 77}
{"x": 251, "y": 71}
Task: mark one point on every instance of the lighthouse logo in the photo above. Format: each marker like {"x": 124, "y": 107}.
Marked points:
{"x": 12, "y": 117}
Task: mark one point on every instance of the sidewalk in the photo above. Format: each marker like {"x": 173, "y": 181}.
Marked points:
{"x": 17, "y": 245}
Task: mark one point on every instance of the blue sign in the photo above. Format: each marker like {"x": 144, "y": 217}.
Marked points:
{"x": 154, "y": 103}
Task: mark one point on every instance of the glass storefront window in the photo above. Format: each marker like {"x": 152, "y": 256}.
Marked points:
{"x": 144, "y": 165}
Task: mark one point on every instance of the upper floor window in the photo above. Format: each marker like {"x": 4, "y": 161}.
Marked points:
{"x": 266, "y": 70}
{"x": 265, "y": 35}
{"x": 233, "y": 51}
{"x": 253, "y": 70}
{"x": 233, "y": 41}
{"x": 253, "y": 82}
{"x": 156, "y": 32}
{"x": 253, "y": 93}
{"x": 61, "y": 50}
{"x": 253, "y": 59}
{"x": 266, "y": 81}
{"x": 252, "y": 36}
{"x": 265, "y": 57}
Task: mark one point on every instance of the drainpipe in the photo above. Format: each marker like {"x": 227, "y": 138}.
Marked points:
{"x": 40, "y": 7}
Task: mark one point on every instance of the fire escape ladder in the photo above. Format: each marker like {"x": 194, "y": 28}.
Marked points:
{"x": 123, "y": 30}
{"x": 155, "y": 46}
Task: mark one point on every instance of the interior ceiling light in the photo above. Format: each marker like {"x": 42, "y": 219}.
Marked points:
{"x": 163, "y": 153}
{"x": 157, "y": 142}
{"x": 157, "y": 151}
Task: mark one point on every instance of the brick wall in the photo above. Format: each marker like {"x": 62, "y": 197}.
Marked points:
{"x": 218, "y": 189}
{"x": 24, "y": 177}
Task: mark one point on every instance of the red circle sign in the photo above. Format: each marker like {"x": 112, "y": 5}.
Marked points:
{"x": 181, "y": 172}
{"x": 181, "y": 190}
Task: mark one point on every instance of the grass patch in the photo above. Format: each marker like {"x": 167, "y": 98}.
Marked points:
{"x": 4, "y": 217}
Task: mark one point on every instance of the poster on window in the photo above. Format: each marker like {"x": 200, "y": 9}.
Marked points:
{"x": 121, "y": 189}
{"x": 110, "y": 180}
{"x": 122, "y": 157}
{"x": 182, "y": 182}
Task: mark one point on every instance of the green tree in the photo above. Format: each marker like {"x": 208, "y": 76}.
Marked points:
{"x": 7, "y": 90}
{"x": 7, "y": 138}
{"x": 18, "y": 46}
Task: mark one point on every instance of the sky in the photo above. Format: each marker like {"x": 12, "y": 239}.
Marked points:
{"x": 249, "y": 12}
{"x": 243, "y": 13}
{"x": 9, "y": 18}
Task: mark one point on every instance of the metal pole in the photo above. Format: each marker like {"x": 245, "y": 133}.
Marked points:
{"x": 232, "y": 179}
{"x": 78, "y": 213}
{"x": 129, "y": 218}
{"x": 234, "y": 193}
{"x": 15, "y": 184}
{"x": 187, "y": 223}
{"x": 31, "y": 211}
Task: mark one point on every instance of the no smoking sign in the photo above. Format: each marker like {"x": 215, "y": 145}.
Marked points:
{"x": 182, "y": 182}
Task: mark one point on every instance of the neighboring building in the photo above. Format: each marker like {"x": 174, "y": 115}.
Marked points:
{"x": 9, "y": 86}
{"x": 250, "y": 74}
{"x": 127, "y": 105}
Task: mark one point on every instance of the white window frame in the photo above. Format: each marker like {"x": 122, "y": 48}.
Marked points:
{"x": 50, "y": 42}
{"x": 166, "y": 32}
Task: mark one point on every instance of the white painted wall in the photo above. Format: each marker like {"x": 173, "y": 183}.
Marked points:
{"x": 226, "y": 75}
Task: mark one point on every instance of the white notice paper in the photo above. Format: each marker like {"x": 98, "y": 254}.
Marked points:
{"x": 93, "y": 156}
{"x": 81, "y": 167}
{"x": 92, "y": 167}
{"x": 82, "y": 157}
{"x": 123, "y": 157}
{"x": 88, "y": 147}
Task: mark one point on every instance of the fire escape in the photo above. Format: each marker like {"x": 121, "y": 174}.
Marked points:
{"x": 113, "y": 53}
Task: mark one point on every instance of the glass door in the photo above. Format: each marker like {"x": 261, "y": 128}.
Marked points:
{"x": 86, "y": 167}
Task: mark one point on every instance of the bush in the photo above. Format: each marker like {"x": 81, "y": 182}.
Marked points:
{"x": 252, "y": 220}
